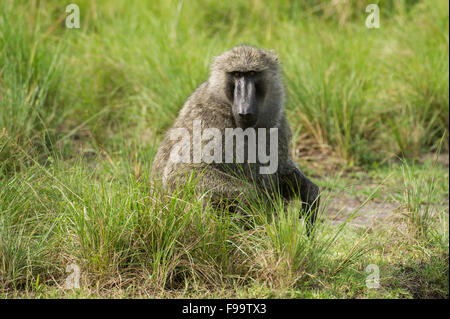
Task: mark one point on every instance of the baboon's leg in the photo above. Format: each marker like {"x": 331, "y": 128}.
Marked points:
{"x": 223, "y": 189}
{"x": 296, "y": 183}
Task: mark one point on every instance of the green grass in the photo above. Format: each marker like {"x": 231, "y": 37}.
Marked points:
{"x": 83, "y": 110}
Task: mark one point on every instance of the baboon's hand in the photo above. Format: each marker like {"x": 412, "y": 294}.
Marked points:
{"x": 309, "y": 193}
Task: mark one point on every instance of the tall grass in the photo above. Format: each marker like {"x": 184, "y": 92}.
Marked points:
{"x": 30, "y": 72}
{"x": 422, "y": 204}
{"x": 118, "y": 231}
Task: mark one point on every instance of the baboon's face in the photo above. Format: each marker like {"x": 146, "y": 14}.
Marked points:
{"x": 246, "y": 92}
{"x": 248, "y": 78}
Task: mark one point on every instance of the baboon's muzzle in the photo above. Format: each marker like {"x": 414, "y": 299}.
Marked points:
{"x": 244, "y": 107}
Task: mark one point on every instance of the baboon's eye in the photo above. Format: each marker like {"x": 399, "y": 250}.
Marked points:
{"x": 252, "y": 73}
{"x": 237, "y": 74}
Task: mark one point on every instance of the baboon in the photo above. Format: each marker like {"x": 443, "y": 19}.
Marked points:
{"x": 244, "y": 90}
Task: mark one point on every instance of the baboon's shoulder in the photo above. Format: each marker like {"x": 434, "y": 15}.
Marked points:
{"x": 202, "y": 105}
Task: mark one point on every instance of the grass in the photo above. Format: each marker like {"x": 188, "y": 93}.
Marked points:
{"x": 82, "y": 112}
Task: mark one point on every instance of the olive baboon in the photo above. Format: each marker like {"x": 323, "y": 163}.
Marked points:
{"x": 244, "y": 90}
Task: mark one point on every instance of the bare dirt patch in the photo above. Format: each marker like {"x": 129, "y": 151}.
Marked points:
{"x": 339, "y": 209}
{"x": 442, "y": 159}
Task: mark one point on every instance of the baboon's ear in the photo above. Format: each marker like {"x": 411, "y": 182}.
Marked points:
{"x": 272, "y": 56}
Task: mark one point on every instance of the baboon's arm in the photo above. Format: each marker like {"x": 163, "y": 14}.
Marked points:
{"x": 294, "y": 182}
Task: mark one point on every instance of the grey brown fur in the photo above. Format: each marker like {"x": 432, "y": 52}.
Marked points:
{"x": 212, "y": 103}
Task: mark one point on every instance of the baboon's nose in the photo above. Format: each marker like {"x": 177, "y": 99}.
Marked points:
{"x": 247, "y": 117}
{"x": 245, "y": 101}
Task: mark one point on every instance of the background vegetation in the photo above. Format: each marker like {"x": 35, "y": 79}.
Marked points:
{"x": 82, "y": 111}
